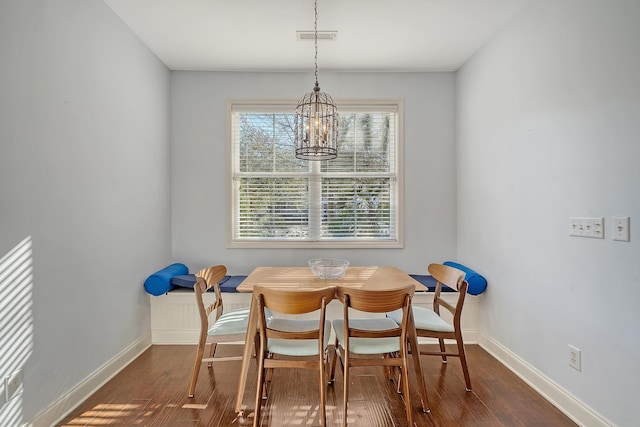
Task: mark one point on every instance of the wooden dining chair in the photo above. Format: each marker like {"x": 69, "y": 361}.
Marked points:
{"x": 375, "y": 341}
{"x": 290, "y": 342}
{"x": 429, "y": 324}
{"x": 218, "y": 328}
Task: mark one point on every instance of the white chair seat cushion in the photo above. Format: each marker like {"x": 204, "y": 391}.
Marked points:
{"x": 424, "y": 318}
{"x": 231, "y": 323}
{"x": 296, "y": 347}
{"x": 368, "y": 345}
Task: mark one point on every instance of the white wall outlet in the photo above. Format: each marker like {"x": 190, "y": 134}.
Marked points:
{"x": 586, "y": 227}
{"x": 13, "y": 385}
{"x": 621, "y": 228}
{"x": 575, "y": 358}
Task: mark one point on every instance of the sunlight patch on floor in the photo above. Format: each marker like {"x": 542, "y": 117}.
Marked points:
{"x": 104, "y": 414}
{"x": 194, "y": 406}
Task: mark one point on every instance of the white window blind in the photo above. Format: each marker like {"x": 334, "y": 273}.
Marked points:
{"x": 278, "y": 200}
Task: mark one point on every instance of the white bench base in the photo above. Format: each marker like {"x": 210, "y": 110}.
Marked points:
{"x": 175, "y": 319}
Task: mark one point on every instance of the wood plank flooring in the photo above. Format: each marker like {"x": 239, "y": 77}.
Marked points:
{"x": 152, "y": 391}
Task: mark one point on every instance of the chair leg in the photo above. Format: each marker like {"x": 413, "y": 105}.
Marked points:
{"x": 415, "y": 354}
{"x": 212, "y": 352}
{"x": 399, "y": 376}
{"x": 463, "y": 362}
{"x": 345, "y": 368}
{"x": 268, "y": 377}
{"x": 196, "y": 365}
{"x": 327, "y": 368}
{"x": 323, "y": 386}
{"x": 260, "y": 390}
{"x": 390, "y": 370}
{"x": 332, "y": 374}
{"x": 405, "y": 382}
{"x": 443, "y": 349}
{"x": 387, "y": 369}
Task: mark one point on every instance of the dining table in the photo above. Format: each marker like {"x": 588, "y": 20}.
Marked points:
{"x": 359, "y": 277}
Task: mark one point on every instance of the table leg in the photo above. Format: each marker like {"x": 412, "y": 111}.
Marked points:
{"x": 246, "y": 356}
{"x": 415, "y": 353}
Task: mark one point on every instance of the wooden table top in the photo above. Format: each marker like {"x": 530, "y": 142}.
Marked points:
{"x": 373, "y": 277}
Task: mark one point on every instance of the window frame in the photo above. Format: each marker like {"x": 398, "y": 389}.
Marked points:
{"x": 288, "y": 105}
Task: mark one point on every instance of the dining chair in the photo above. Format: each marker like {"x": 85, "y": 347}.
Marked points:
{"x": 221, "y": 327}
{"x": 429, "y": 324}
{"x": 373, "y": 341}
{"x": 290, "y": 342}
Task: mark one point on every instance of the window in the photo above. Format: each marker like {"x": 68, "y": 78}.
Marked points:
{"x": 280, "y": 201}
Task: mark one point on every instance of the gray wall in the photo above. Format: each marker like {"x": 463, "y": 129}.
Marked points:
{"x": 85, "y": 176}
{"x": 548, "y": 125}
{"x": 200, "y": 157}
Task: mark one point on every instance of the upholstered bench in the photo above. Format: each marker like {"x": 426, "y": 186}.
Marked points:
{"x": 175, "y": 320}
{"x": 176, "y": 276}
{"x": 429, "y": 283}
{"x": 174, "y": 314}
{"x": 228, "y": 284}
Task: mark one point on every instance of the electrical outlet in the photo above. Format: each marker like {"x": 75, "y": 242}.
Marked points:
{"x": 575, "y": 358}
{"x": 13, "y": 385}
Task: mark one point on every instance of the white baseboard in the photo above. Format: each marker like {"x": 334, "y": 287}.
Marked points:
{"x": 68, "y": 402}
{"x": 580, "y": 413}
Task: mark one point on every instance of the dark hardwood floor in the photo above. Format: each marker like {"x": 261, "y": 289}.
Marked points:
{"x": 152, "y": 391}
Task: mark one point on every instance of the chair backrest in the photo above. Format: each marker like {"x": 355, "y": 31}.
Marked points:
{"x": 453, "y": 278}
{"x": 292, "y": 301}
{"x": 376, "y": 301}
{"x": 206, "y": 279}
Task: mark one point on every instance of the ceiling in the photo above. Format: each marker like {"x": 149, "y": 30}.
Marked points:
{"x": 260, "y": 35}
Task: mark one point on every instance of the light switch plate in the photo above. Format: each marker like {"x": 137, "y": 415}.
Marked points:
{"x": 586, "y": 227}
{"x": 621, "y": 228}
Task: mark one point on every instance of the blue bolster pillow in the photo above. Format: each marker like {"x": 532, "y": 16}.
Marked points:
{"x": 477, "y": 283}
{"x": 160, "y": 282}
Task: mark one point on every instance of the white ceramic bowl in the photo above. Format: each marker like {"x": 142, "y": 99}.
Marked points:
{"x": 328, "y": 268}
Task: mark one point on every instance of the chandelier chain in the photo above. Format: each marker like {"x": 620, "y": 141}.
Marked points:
{"x": 315, "y": 29}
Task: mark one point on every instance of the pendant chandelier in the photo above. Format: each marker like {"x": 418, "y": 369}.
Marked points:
{"x": 316, "y": 118}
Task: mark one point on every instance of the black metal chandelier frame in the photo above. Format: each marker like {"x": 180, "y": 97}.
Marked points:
{"x": 316, "y": 118}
